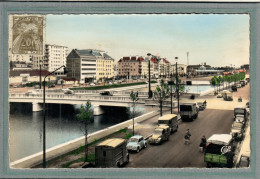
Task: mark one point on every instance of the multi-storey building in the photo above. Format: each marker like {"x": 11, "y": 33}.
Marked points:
{"x": 181, "y": 68}
{"x": 163, "y": 67}
{"x": 53, "y": 58}
{"x": 131, "y": 67}
{"x": 89, "y": 65}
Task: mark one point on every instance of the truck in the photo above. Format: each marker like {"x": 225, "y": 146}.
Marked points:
{"x": 241, "y": 111}
{"x": 170, "y": 120}
{"x": 234, "y": 88}
{"x": 111, "y": 153}
{"x": 227, "y": 95}
{"x": 189, "y": 111}
{"x": 237, "y": 130}
{"x": 161, "y": 133}
{"x": 219, "y": 151}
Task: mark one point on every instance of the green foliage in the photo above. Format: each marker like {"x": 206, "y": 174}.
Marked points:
{"x": 85, "y": 112}
{"x": 128, "y": 135}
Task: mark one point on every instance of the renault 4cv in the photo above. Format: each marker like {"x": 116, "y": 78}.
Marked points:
{"x": 161, "y": 133}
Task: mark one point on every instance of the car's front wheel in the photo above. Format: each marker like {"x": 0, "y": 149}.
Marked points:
{"x": 145, "y": 145}
{"x": 138, "y": 150}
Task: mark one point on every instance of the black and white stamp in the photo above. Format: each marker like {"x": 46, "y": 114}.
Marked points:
{"x": 28, "y": 34}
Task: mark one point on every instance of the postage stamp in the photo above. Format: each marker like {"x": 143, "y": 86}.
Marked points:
{"x": 27, "y": 34}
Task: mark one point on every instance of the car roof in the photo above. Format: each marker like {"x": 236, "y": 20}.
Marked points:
{"x": 137, "y": 136}
{"x": 188, "y": 104}
{"x": 163, "y": 126}
{"x": 220, "y": 139}
{"x": 114, "y": 142}
{"x": 167, "y": 117}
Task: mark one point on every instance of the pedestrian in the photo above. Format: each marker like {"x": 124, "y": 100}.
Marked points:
{"x": 187, "y": 137}
{"x": 137, "y": 94}
{"x": 203, "y": 143}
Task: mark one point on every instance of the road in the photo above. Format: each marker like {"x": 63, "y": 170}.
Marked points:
{"x": 173, "y": 153}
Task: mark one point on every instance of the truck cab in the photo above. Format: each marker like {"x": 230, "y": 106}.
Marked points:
{"x": 161, "y": 133}
{"x": 241, "y": 111}
{"x": 111, "y": 153}
{"x": 219, "y": 151}
{"x": 189, "y": 111}
{"x": 169, "y": 120}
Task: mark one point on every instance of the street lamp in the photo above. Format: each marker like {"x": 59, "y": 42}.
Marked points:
{"x": 44, "y": 114}
{"x": 150, "y": 93}
{"x": 177, "y": 85}
{"x": 171, "y": 83}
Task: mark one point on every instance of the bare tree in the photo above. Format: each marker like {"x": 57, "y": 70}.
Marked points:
{"x": 161, "y": 93}
{"x": 134, "y": 98}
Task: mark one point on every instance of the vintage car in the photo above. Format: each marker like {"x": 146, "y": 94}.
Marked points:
{"x": 241, "y": 111}
{"x": 161, "y": 133}
{"x": 136, "y": 143}
{"x": 106, "y": 93}
{"x": 189, "y": 111}
{"x": 201, "y": 106}
{"x": 219, "y": 95}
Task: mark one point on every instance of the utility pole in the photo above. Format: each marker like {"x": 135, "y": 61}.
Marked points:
{"x": 150, "y": 93}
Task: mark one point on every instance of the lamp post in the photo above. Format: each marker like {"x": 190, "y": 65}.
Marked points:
{"x": 171, "y": 83}
{"x": 40, "y": 76}
{"x": 177, "y": 85}
{"x": 150, "y": 93}
{"x": 44, "y": 114}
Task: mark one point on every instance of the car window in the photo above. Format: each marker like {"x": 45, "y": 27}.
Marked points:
{"x": 141, "y": 138}
{"x": 133, "y": 140}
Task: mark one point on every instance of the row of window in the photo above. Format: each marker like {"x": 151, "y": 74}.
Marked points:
{"x": 104, "y": 73}
{"x": 89, "y": 69}
{"x": 88, "y": 64}
{"x": 88, "y": 73}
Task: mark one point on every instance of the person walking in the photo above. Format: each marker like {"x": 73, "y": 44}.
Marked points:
{"x": 203, "y": 143}
{"x": 187, "y": 137}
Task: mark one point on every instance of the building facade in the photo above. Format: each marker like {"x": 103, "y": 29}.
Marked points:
{"x": 53, "y": 58}
{"x": 181, "y": 68}
{"x": 89, "y": 65}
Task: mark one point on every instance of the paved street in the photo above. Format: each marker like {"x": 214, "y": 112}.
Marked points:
{"x": 173, "y": 153}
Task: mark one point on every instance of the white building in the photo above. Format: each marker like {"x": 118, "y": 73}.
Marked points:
{"x": 54, "y": 57}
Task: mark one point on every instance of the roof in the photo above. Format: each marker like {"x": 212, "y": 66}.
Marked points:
{"x": 220, "y": 139}
{"x": 162, "y": 127}
{"x": 140, "y": 59}
{"x": 137, "y": 137}
{"x": 30, "y": 72}
{"x": 114, "y": 142}
{"x": 88, "y": 52}
{"x": 153, "y": 60}
{"x": 167, "y": 117}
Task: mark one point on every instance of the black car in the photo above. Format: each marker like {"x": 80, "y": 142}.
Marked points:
{"x": 234, "y": 88}
{"x": 106, "y": 93}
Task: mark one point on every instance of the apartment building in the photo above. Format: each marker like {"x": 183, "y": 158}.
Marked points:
{"x": 89, "y": 65}
{"x": 131, "y": 67}
{"x": 53, "y": 58}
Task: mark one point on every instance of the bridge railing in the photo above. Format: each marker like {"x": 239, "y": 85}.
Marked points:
{"x": 73, "y": 97}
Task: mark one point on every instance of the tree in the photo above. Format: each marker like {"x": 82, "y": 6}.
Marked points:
{"x": 214, "y": 82}
{"x": 161, "y": 93}
{"x": 134, "y": 98}
{"x": 84, "y": 117}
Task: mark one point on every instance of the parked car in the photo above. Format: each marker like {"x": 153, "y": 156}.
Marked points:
{"x": 92, "y": 84}
{"x": 189, "y": 111}
{"x": 37, "y": 87}
{"x": 244, "y": 161}
{"x": 111, "y": 153}
{"x": 51, "y": 86}
{"x": 234, "y": 88}
{"x": 243, "y": 83}
{"x": 170, "y": 120}
{"x": 219, "y": 151}
{"x": 219, "y": 95}
{"x": 106, "y": 93}
{"x": 248, "y": 105}
{"x": 161, "y": 133}
{"x": 136, "y": 143}
{"x": 238, "y": 85}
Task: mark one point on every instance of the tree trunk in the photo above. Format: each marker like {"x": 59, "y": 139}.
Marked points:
{"x": 86, "y": 142}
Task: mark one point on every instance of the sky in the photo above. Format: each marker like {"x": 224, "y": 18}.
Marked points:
{"x": 217, "y": 39}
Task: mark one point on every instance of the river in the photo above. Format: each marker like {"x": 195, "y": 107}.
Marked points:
{"x": 25, "y": 134}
